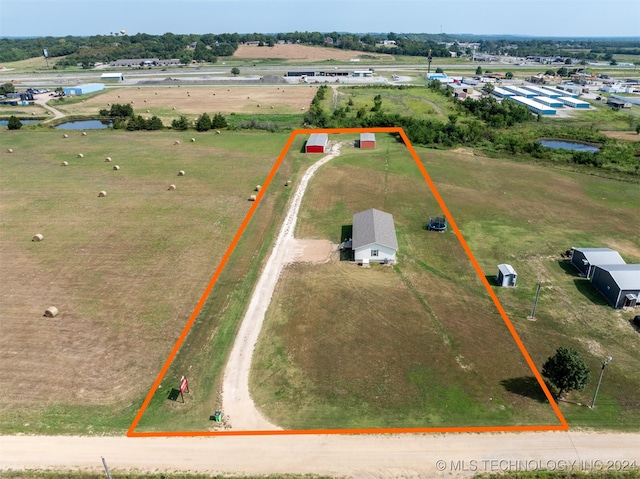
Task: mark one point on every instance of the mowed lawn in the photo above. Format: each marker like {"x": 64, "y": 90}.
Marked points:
{"x": 417, "y": 345}
{"x": 125, "y": 270}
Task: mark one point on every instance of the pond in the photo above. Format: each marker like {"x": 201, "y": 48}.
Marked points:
{"x": 569, "y": 145}
{"x": 85, "y": 125}
{"x": 24, "y": 122}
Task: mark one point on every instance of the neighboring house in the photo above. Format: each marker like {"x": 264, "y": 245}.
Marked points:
{"x": 316, "y": 143}
{"x": 618, "y": 283}
{"x": 506, "y": 275}
{"x": 585, "y": 259}
{"x": 374, "y": 237}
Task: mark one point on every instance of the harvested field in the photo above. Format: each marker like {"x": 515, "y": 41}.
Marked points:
{"x": 286, "y": 99}
{"x": 304, "y": 53}
{"x": 622, "y": 135}
{"x": 125, "y": 271}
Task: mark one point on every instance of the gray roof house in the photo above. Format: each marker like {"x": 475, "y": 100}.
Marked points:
{"x": 618, "y": 283}
{"x": 584, "y": 259}
{"x": 374, "y": 237}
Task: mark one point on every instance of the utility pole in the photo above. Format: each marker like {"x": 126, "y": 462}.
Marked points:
{"x": 429, "y": 58}
{"x": 604, "y": 363}
{"x": 106, "y": 468}
{"x": 535, "y": 302}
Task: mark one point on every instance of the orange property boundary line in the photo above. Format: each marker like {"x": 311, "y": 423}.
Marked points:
{"x": 563, "y": 426}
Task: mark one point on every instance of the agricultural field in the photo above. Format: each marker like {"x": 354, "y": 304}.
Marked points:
{"x": 125, "y": 270}
{"x": 169, "y": 102}
{"x": 305, "y": 53}
{"x": 410, "y": 346}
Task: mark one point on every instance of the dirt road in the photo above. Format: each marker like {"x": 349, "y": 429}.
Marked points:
{"x": 236, "y": 400}
{"x": 382, "y": 456}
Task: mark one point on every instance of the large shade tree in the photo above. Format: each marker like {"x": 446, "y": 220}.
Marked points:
{"x": 566, "y": 370}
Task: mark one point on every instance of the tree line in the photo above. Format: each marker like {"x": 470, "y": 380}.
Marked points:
{"x": 72, "y": 50}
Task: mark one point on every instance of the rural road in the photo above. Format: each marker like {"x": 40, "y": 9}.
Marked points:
{"x": 237, "y": 403}
{"x": 360, "y": 456}
{"x": 42, "y": 100}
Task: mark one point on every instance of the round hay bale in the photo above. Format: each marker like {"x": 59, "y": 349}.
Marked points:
{"x": 116, "y": 167}
{"x": 156, "y": 93}
{"x": 102, "y": 194}
{"x": 9, "y": 150}
{"x": 252, "y": 198}
{"x": 132, "y": 102}
{"x": 118, "y": 96}
{"x": 193, "y": 140}
{"x": 174, "y": 107}
{"x": 64, "y": 163}
{"x": 84, "y": 133}
{"x": 80, "y": 155}
{"x": 272, "y": 107}
{"x": 107, "y": 159}
{"x": 33, "y": 113}
{"x": 258, "y": 187}
{"x": 288, "y": 183}
{"x": 171, "y": 187}
{"x": 148, "y": 111}
{"x": 217, "y": 132}
{"x": 258, "y": 105}
{"x": 65, "y": 136}
{"x": 37, "y": 237}
{"x": 145, "y": 101}
{"x": 181, "y": 173}
{"x": 51, "y": 312}
{"x": 177, "y": 142}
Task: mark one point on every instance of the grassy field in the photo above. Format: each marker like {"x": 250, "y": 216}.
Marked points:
{"x": 125, "y": 270}
{"x": 416, "y": 346}
{"x": 390, "y": 347}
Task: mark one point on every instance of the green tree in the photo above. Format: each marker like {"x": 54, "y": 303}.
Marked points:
{"x": 488, "y": 88}
{"x": 562, "y": 72}
{"x": 479, "y": 71}
{"x": 439, "y": 70}
{"x": 508, "y": 75}
{"x": 7, "y": 88}
{"x": 566, "y": 370}
{"x": 203, "y": 123}
{"x": 14, "y": 123}
{"x": 235, "y": 71}
{"x": 218, "y": 121}
{"x": 181, "y": 123}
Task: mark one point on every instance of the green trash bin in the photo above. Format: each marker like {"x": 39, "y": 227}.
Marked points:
{"x": 217, "y": 417}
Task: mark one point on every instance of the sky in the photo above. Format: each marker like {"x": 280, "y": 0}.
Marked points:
{"x": 558, "y": 18}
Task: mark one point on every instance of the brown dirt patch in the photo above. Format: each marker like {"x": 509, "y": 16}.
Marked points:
{"x": 312, "y": 251}
{"x": 622, "y": 135}
{"x": 300, "y": 52}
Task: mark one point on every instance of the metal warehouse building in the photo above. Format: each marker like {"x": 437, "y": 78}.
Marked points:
{"x": 83, "y": 89}
{"x": 585, "y": 259}
{"x": 539, "y": 91}
{"x": 534, "y": 106}
{"x": 316, "y": 143}
{"x": 573, "y": 102}
{"x": 552, "y": 102}
{"x": 502, "y": 93}
{"x": 618, "y": 283}
{"x": 520, "y": 91}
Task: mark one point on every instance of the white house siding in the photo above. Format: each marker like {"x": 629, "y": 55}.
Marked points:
{"x": 365, "y": 252}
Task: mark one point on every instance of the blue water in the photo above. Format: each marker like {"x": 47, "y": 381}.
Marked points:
{"x": 24, "y": 122}
{"x": 569, "y": 145}
{"x": 85, "y": 125}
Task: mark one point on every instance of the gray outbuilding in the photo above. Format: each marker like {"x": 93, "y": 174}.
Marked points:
{"x": 618, "y": 283}
{"x": 585, "y": 259}
{"x": 506, "y": 276}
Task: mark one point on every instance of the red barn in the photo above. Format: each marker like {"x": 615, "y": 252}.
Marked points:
{"x": 316, "y": 143}
{"x": 367, "y": 140}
